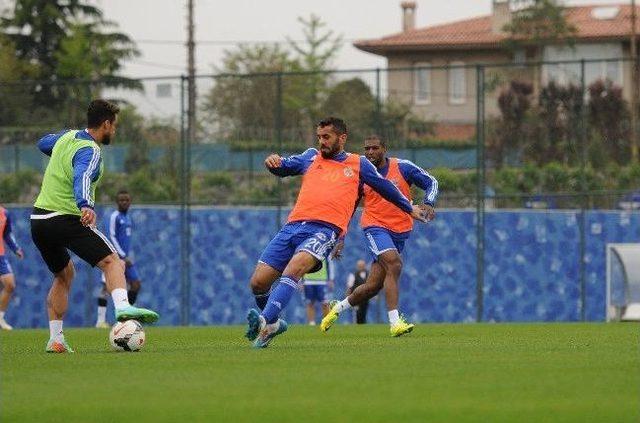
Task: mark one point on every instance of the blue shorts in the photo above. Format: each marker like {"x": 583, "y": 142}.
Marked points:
{"x": 314, "y": 293}
{"x": 313, "y": 237}
{"x": 5, "y": 267}
{"x": 380, "y": 240}
{"x": 130, "y": 274}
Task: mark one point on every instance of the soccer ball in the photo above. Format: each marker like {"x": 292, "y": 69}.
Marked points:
{"x": 127, "y": 336}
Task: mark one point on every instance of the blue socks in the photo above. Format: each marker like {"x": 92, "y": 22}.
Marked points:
{"x": 279, "y": 298}
{"x": 261, "y": 299}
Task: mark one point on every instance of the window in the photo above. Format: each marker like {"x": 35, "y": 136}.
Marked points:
{"x": 597, "y": 65}
{"x": 422, "y": 83}
{"x": 457, "y": 83}
{"x": 520, "y": 57}
{"x": 163, "y": 90}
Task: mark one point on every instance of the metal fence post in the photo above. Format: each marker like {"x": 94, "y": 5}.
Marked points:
{"x": 480, "y": 169}
{"x": 278, "y": 125}
{"x": 16, "y": 158}
{"x": 379, "y": 128}
{"x": 583, "y": 145}
{"x": 184, "y": 240}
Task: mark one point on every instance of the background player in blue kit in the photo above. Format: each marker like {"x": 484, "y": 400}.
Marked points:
{"x": 315, "y": 289}
{"x": 119, "y": 227}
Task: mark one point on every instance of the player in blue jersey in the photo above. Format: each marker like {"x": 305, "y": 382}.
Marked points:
{"x": 331, "y": 183}
{"x": 315, "y": 289}
{"x": 119, "y": 226}
{"x": 387, "y": 230}
{"x": 6, "y": 273}
{"x": 64, "y": 219}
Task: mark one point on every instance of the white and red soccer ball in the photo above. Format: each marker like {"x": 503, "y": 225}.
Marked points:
{"x": 127, "y": 336}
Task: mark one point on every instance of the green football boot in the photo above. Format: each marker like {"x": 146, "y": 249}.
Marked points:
{"x": 142, "y": 315}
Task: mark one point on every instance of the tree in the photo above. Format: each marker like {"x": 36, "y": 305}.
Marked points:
{"x": 262, "y": 90}
{"x": 16, "y": 97}
{"x": 609, "y": 120}
{"x": 92, "y": 55}
{"x": 53, "y": 35}
{"x": 131, "y": 131}
{"x": 511, "y": 130}
{"x": 539, "y": 24}
{"x": 559, "y": 109}
{"x": 242, "y": 102}
{"x": 353, "y": 101}
{"x": 314, "y": 56}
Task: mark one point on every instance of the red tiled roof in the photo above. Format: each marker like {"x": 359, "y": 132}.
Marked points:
{"x": 477, "y": 32}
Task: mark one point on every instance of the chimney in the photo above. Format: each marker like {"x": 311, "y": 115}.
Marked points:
{"x": 501, "y": 15}
{"x": 408, "y": 15}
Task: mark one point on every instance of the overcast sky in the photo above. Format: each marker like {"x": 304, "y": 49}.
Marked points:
{"x": 268, "y": 20}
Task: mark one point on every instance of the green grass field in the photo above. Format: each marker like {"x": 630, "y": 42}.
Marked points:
{"x": 471, "y": 372}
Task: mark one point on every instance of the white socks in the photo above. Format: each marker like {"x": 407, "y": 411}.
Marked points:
{"x": 2, "y": 315}
{"x": 394, "y": 317}
{"x": 120, "y": 298}
{"x": 343, "y": 305}
{"x": 102, "y": 314}
{"x": 55, "y": 330}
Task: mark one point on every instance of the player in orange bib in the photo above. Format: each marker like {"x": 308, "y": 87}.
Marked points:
{"x": 331, "y": 185}
{"x": 386, "y": 231}
{"x": 6, "y": 273}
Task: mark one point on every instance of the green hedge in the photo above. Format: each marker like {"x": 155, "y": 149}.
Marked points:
{"x": 151, "y": 185}
{"x": 531, "y": 179}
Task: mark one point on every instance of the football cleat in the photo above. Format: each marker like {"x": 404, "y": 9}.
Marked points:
{"x": 401, "y": 327}
{"x": 4, "y": 325}
{"x": 330, "y": 318}
{"x": 253, "y": 322}
{"x": 268, "y": 332}
{"x": 134, "y": 313}
{"x": 55, "y": 346}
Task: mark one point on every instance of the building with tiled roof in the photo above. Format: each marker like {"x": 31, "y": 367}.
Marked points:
{"x": 436, "y": 70}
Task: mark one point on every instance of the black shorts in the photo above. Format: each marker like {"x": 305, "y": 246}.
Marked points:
{"x": 53, "y": 233}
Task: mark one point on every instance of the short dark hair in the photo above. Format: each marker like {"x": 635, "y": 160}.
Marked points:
{"x": 375, "y": 137}
{"x": 99, "y": 111}
{"x": 121, "y": 192}
{"x": 338, "y": 124}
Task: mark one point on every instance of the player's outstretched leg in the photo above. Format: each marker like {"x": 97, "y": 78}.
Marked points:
{"x": 113, "y": 271}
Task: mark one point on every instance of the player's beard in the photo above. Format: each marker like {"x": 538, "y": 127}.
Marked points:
{"x": 330, "y": 153}
{"x": 106, "y": 140}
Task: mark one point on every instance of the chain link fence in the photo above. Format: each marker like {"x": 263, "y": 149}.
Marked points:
{"x": 541, "y": 137}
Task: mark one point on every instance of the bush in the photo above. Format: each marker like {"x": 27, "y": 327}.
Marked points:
{"x": 627, "y": 177}
{"x": 19, "y": 187}
{"x": 218, "y": 179}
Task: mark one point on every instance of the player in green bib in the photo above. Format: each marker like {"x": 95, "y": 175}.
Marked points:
{"x": 64, "y": 219}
